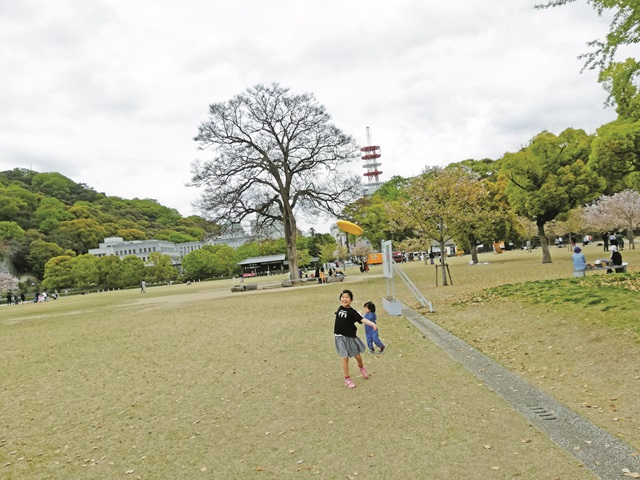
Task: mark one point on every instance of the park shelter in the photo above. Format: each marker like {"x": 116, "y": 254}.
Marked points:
{"x": 265, "y": 265}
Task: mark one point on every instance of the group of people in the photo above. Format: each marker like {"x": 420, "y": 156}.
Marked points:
{"x": 15, "y": 299}
{"x": 613, "y": 239}
{"x": 580, "y": 261}
{"x": 348, "y": 344}
{"x": 322, "y": 276}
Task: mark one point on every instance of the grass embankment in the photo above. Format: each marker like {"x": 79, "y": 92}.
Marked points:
{"x": 196, "y": 382}
{"x": 578, "y": 339}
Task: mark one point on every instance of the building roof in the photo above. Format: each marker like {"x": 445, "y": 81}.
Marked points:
{"x": 264, "y": 259}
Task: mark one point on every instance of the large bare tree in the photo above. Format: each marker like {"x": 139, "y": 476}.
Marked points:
{"x": 276, "y": 155}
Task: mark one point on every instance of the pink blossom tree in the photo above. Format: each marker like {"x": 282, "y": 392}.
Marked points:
{"x": 618, "y": 211}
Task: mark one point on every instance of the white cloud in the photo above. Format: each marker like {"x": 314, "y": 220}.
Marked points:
{"x": 111, "y": 93}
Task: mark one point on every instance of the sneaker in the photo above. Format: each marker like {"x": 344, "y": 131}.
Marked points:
{"x": 371, "y": 350}
{"x": 364, "y": 372}
{"x": 382, "y": 348}
{"x": 349, "y": 383}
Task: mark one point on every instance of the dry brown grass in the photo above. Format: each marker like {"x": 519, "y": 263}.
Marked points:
{"x": 196, "y": 382}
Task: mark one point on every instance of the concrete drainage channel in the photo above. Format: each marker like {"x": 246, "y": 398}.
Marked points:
{"x": 596, "y": 449}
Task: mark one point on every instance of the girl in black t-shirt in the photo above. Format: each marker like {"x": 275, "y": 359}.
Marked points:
{"x": 348, "y": 344}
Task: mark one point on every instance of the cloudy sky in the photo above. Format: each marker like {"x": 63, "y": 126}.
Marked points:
{"x": 110, "y": 93}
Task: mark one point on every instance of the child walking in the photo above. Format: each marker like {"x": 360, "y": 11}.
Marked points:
{"x": 348, "y": 344}
{"x": 372, "y": 334}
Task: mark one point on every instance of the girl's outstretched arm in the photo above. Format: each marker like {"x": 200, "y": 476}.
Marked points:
{"x": 366, "y": 321}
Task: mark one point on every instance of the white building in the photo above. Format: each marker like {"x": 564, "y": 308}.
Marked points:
{"x": 234, "y": 236}
{"x": 143, "y": 248}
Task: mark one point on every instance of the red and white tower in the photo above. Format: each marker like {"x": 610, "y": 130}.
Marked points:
{"x": 370, "y": 156}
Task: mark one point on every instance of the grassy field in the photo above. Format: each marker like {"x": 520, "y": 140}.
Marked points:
{"x": 197, "y": 382}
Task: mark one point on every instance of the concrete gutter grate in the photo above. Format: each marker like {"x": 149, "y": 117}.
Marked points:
{"x": 597, "y": 450}
{"x": 543, "y": 413}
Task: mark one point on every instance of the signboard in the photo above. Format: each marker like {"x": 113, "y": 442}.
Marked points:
{"x": 387, "y": 259}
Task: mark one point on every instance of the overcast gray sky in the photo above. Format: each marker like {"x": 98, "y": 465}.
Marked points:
{"x": 111, "y": 93}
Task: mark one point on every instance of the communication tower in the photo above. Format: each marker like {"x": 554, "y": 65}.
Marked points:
{"x": 370, "y": 156}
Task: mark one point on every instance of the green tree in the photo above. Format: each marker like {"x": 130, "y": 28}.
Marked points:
{"x": 392, "y": 189}
{"x": 550, "y": 177}
{"x": 128, "y": 234}
{"x": 371, "y": 215}
{"x": 439, "y": 205}
{"x": 52, "y": 209}
{"x": 79, "y": 235}
{"x": 133, "y": 270}
{"x": 160, "y": 268}
{"x": 84, "y": 271}
{"x": 248, "y": 250}
{"x": 619, "y": 80}
{"x": 110, "y": 272}
{"x": 16, "y": 204}
{"x": 223, "y": 260}
{"x": 54, "y": 185}
{"x": 277, "y": 154}
{"x": 57, "y": 273}
{"x": 316, "y": 241}
{"x": 40, "y": 252}
{"x": 329, "y": 252}
{"x": 485, "y": 168}
{"x": 624, "y": 29}
{"x": 173, "y": 236}
{"x": 10, "y": 231}
{"x": 615, "y": 155}
{"x": 486, "y": 218}
{"x": 209, "y": 261}
{"x": 199, "y": 264}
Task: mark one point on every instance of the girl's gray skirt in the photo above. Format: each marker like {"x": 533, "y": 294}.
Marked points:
{"x": 349, "y": 346}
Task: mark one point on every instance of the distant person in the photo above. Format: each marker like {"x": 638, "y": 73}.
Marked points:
{"x": 605, "y": 241}
{"x": 372, "y": 334}
{"x": 620, "y": 239}
{"x": 616, "y": 259}
{"x": 317, "y": 275}
{"x": 348, "y": 344}
{"x": 579, "y": 260}
{"x": 613, "y": 240}
{"x": 323, "y": 276}
{"x": 143, "y": 287}
{"x": 8, "y": 298}
{"x": 22, "y": 297}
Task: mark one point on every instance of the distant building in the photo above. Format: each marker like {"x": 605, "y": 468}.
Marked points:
{"x": 143, "y": 248}
{"x": 261, "y": 232}
{"x": 234, "y": 236}
{"x": 265, "y": 265}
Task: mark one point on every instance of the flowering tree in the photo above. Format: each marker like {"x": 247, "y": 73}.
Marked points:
{"x": 620, "y": 210}
{"x": 8, "y": 283}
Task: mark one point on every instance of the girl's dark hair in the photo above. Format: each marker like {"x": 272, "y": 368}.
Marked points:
{"x": 371, "y": 306}
{"x": 348, "y": 292}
